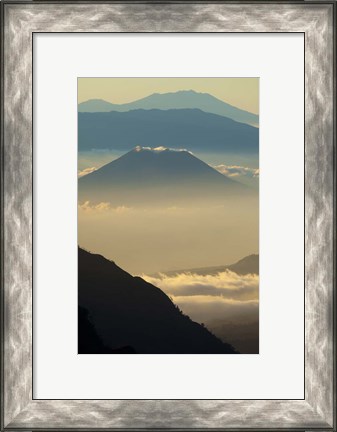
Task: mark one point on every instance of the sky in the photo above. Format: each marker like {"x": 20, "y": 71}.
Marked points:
{"x": 240, "y": 92}
{"x": 153, "y": 239}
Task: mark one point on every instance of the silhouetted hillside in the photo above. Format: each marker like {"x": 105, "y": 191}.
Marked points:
{"x": 192, "y": 129}
{"x": 127, "y": 313}
{"x": 88, "y": 340}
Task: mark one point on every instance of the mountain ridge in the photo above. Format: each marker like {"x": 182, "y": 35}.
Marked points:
{"x": 247, "y": 265}
{"x": 147, "y": 175}
{"x": 182, "y": 99}
{"x": 129, "y": 315}
{"x": 193, "y": 129}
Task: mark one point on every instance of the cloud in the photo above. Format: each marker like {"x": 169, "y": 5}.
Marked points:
{"x": 102, "y": 206}
{"x": 173, "y": 211}
{"x": 238, "y": 171}
{"x": 226, "y": 296}
{"x": 160, "y": 149}
{"x": 86, "y": 206}
{"x": 226, "y": 285}
{"x": 86, "y": 171}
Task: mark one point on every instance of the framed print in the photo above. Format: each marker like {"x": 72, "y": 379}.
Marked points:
{"x": 168, "y": 215}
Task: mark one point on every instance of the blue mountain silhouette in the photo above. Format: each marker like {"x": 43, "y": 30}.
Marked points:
{"x": 155, "y": 176}
{"x": 192, "y": 129}
{"x": 178, "y": 100}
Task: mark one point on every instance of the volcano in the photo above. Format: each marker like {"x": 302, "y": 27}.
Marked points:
{"x": 157, "y": 175}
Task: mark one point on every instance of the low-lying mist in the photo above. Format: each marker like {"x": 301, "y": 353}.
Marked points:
{"x": 227, "y": 285}
{"x": 149, "y": 241}
{"x": 158, "y": 239}
{"x": 227, "y": 303}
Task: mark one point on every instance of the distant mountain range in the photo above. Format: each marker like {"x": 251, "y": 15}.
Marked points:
{"x": 247, "y": 265}
{"x": 121, "y": 314}
{"x": 185, "y": 99}
{"x": 159, "y": 175}
{"x": 192, "y": 129}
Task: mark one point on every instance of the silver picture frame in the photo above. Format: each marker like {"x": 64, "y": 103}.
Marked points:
{"x": 20, "y": 20}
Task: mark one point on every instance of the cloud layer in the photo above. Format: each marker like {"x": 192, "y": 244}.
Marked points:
{"x": 226, "y": 302}
{"x": 160, "y": 149}
{"x": 238, "y": 171}
{"x": 102, "y": 207}
{"x": 226, "y": 285}
{"x": 86, "y": 171}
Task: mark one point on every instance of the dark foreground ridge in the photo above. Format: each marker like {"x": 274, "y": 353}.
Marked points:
{"x": 122, "y": 314}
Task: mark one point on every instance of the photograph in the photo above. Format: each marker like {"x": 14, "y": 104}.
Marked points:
{"x": 168, "y": 215}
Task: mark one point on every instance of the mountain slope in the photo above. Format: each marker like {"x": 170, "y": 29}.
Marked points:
{"x": 146, "y": 175}
{"x": 191, "y": 129}
{"x": 185, "y": 99}
{"x": 128, "y": 314}
{"x": 88, "y": 340}
{"x": 247, "y": 265}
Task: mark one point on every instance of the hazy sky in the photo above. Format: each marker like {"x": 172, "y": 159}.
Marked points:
{"x": 159, "y": 239}
{"x": 240, "y": 92}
